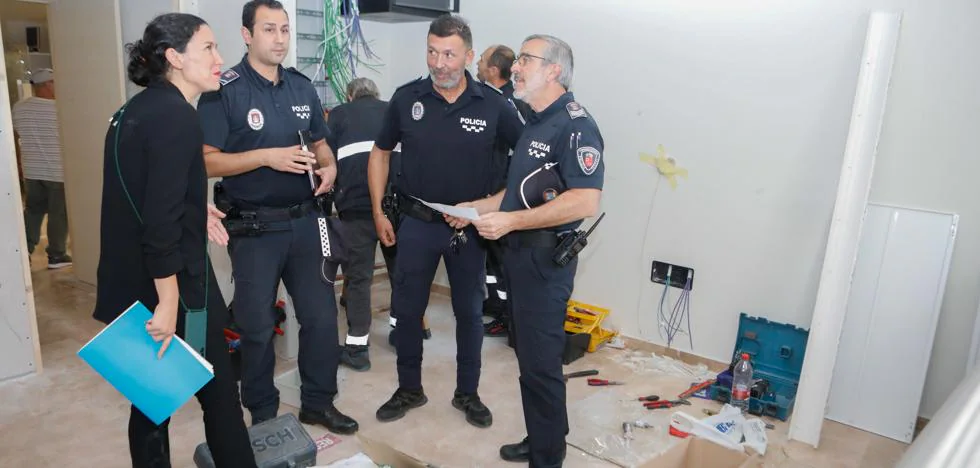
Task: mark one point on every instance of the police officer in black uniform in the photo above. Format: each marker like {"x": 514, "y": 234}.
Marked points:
{"x": 353, "y": 126}
{"x": 251, "y": 139}
{"x": 554, "y": 182}
{"x": 447, "y": 125}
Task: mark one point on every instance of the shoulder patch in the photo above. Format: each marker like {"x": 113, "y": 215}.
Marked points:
{"x": 228, "y": 76}
{"x": 575, "y": 110}
{"x": 297, "y": 72}
{"x": 488, "y": 85}
{"x": 588, "y": 159}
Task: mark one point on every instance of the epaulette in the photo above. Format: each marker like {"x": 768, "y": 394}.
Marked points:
{"x": 409, "y": 83}
{"x": 575, "y": 110}
{"x": 488, "y": 85}
{"x": 228, "y": 76}
{"x": 297, "y": 72}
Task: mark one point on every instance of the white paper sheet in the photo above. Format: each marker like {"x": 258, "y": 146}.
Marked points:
{"x": 459, "y": 212}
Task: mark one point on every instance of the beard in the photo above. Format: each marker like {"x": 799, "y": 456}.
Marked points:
{"x": 528, "y": 85}
{"x": 446, "y": 79}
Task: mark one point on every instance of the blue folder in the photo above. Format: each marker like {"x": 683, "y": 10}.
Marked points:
{"x": 125, "y": 355}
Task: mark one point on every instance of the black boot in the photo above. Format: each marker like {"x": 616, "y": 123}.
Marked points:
{"x": 331, "y": 418}
{"x": 399, "y": 404}
{"x": 477, "y": 413}
{"x": 356, "y": 357}
{"x": 151, "y": 449}
{"x": 519, "y": 452}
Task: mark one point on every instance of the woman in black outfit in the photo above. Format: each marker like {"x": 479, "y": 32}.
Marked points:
{"x": 156, "y": 222}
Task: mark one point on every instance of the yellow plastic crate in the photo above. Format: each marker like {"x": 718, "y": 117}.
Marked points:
{"x": 587, "y": 318}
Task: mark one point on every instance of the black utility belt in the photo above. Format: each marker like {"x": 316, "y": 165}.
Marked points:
{"x": 248, "y": 220}
{"x": 564, "y": 246}
{"x": 416, "y": 209}
{"x": 529, "y": 239}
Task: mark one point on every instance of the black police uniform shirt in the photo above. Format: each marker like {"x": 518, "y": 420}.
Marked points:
{"x": 560, "y": 149}
{"x": 502, "y": 150}
{"x": 352, "y": 127}
{"x": 522, "y": 107}
{"x": 447, "y": 149}
{"x": 250, "y": 112}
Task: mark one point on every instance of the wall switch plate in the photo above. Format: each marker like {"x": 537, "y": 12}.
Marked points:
{"x": 678, "y": 274}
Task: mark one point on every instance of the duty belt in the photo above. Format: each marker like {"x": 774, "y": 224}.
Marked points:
{"x": 416, "y": 209}
{"x": 536, "y": 238}
{"x": 271, "y": 215}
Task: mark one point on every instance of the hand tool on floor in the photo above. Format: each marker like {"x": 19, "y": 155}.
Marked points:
{"x": 665, "y": 404}
{"x": 627, "y": 432}
{"x": 603, "y": 382}
{"x": 696, "y": 388}
{"x": 649, "y": 398}
{"x": 584, "y": 373}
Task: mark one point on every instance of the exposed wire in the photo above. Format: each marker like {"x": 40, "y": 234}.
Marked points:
{"x": 646, "y": 234}
{"x": 680, "y": 313}
{"x": 662, "y": 319}
{"x": 343, "y": 48}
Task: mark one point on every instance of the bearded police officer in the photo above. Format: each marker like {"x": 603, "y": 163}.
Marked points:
{"x": 251, "y": 135}
{"x": 554, "y": 182}
{"x": 447, "y": 125}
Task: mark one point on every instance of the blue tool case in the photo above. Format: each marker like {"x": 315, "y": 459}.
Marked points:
{"x": 776, "y": 353}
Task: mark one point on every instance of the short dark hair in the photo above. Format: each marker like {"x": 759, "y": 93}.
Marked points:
{"x": 248, "y": 11}
{"x": 448, "y": 25}
{"x": 147, "y": 56}
{"x": 502, "y": 58}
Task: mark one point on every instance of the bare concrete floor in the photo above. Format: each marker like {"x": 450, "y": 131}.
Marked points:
{"x": 69, "y": 417}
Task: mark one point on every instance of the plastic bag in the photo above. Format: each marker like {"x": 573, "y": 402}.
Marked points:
{"x": 724, "y": 428}
{"x": 728, "y": 428}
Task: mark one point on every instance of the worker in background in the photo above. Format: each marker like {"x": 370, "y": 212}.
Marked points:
{"x": 493, "y": 68}
{"x": 35, "y": 122}
{"x": 555, "y": 181}
{"x": 447, "y": 125}
{"x": 352, "y": 128}
{"x": 251, "y": 140}
{"x": 155, "y": 227}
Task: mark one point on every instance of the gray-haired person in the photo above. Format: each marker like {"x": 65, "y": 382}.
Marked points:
{"x": 353, "y": 126}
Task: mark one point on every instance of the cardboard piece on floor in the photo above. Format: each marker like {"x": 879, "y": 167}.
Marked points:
{"x": 383, "y": 454}
{"x": 696, "y": 453}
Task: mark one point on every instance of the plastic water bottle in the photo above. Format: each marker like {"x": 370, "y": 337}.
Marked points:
{"x": 742, "y": 384}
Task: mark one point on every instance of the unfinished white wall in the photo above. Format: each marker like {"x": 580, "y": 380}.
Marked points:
{"x": 753, "y": 98}
{"x": 134, "y": 15}
{"x": 20, "y": 351}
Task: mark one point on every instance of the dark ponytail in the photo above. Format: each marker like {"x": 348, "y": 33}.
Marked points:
{"x": 147, "y": 56}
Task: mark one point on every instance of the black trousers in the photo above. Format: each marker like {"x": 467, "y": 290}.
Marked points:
{"x": 496, "y": 302}
{"x": 290, "y": 252}
{"x": 420, "y": 246}
{"x": 539, "y": 293}
{"x": 362, "y": 243}
{"x": 224, "y": 428}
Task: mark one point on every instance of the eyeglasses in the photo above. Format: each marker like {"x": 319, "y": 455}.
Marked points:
{"x": 525, "y": 57}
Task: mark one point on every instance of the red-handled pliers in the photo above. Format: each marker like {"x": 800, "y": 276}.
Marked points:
{"x": 665, "y": 404}
{"x": 603, "y": 382}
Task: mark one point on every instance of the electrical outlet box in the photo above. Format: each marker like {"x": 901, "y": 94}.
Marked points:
{"x": 678, "y": 274}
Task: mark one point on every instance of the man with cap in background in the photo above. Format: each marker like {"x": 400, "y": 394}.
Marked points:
{"x": 35, "y": 122}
